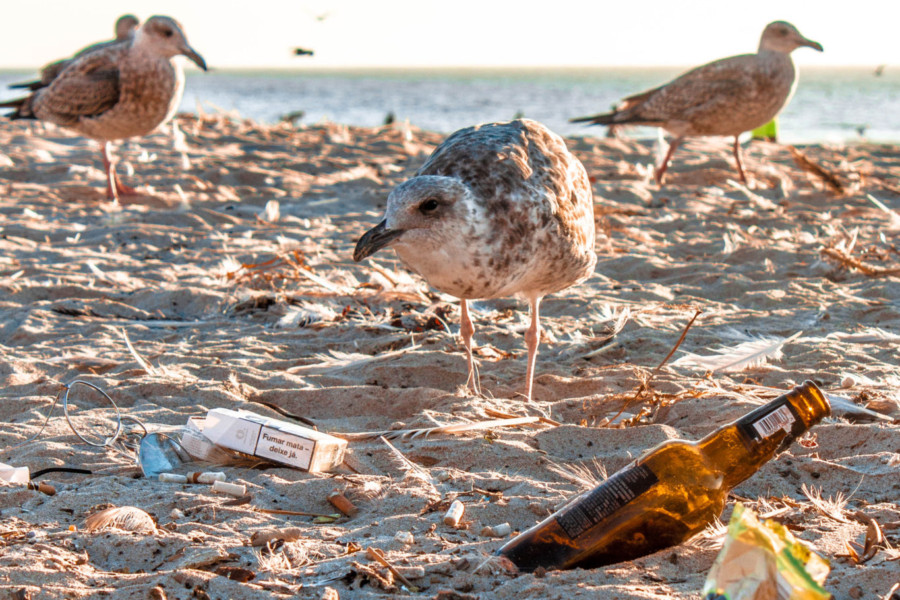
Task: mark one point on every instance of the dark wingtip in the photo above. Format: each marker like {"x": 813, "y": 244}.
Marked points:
{"x": 604, "y": 119}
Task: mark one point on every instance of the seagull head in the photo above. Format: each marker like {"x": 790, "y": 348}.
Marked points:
{"x": 164, "y": 36}
{"x": 421, "y": 212}
{"x": 781, "y": 36}
{"x": 126, "y": 26}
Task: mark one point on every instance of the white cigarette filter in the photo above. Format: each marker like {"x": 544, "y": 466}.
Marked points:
{"x": 232, "y": 489}
{"x": 454, "y": 514}
{"x": 501, "y": 530}
{"x": 196, "y": 477}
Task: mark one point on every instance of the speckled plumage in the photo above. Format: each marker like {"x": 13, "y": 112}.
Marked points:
{"x": 724, "y": 97}
{"x": 497, "y": 210}
{"x": 118, "y": 91}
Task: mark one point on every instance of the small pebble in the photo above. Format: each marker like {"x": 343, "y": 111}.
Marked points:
{"x": 404, "y": 537}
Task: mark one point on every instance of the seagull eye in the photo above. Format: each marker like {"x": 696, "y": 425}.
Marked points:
{"x": 429, "y": 206}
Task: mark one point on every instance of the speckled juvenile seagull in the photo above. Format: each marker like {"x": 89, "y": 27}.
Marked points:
{"x": 497, "y": 210}
{"x": 724, "y": 97}
{"x": 126, "y": 25}
{"x": 116, "y": 92}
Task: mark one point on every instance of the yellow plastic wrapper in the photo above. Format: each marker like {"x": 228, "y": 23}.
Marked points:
{"x": 763, "y": 561}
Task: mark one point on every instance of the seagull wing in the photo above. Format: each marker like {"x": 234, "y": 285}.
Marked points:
{"x": 86, "y": 87}
{"x": 698, "y": 90}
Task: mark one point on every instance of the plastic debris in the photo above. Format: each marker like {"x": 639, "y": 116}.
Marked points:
{"x": 761, "y": 560}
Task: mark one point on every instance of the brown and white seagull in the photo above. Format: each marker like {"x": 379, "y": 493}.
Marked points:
{"x": 497, "y": 210}
{"x": 724, "y": 97}
{"x": 125, "y": 27}
{"x": 117, "y": 92}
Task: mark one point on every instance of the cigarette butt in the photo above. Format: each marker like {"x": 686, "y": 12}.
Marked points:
{"x": 340, "y": 502}
{"x": 454, "y": 514}
{"x": 44, "y": 488}
{"x": 232, "y": 489}
{"x": 501, "y": 530}
{"x": 172, "y": 478}
{"x": 207, "y": 477}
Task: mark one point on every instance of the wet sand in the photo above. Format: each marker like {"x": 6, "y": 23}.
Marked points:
{"x": 231, "y": 277}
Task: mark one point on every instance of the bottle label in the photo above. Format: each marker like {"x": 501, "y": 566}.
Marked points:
{"x": 611, "y": 495}
{"x": 768, "y": 420}
{"x": 779, "y": 419}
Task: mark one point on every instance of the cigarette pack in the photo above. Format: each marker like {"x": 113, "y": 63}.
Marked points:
{"x": 274, "y": 439}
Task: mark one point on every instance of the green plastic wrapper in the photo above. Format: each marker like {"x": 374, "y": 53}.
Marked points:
{"x": 761, "y": 560}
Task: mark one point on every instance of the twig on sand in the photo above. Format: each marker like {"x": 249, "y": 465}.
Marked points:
{"x": 377, "y": 555}
{"x": 844, "y": 258}
{"x": 296, "y": 513}
{"x": 647, "y": 379}
{"x": 502, "y": 415}
{"x": 455, "y": 428}
{"x": 678, "y": 343}
{"x": 805, "y": 163}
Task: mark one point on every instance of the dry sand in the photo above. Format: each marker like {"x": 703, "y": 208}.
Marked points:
{"x": 364, "y": 348}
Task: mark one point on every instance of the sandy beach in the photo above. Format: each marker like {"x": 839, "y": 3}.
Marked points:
{"x": 231, "y": 279}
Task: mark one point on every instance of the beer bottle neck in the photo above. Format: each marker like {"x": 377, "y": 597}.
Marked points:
{"x": 738, "y": 450}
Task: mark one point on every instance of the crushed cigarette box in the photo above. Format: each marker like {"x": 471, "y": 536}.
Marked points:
{"x": 274, "y": 439}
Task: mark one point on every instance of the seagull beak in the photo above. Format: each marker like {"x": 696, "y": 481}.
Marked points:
{"x": 374, "y": 240}
{"x": 194, "y": 56}
{"x": 811, "y": 44}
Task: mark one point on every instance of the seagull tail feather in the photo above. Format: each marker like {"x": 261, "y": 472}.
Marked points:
{"x": 22, "y": 108}
{"x": 603, "y": 119}
{"x": 26, "y": 85}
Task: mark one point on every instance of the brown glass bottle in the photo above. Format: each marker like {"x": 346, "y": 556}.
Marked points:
{"x": 669, "y": 494}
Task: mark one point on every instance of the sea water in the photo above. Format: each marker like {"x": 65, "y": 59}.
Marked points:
{"x": 830, "y": 105}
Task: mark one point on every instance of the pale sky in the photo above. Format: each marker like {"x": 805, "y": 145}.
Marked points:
{"x": 391, "y": 33}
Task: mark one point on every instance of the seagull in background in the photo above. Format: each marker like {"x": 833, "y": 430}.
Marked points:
{"x": 120, "y": 91}
{"x": 725, "y": 97}
{"x": 125, "y": 27}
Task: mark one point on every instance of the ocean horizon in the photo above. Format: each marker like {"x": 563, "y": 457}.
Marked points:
{"x": 831, "y": 104}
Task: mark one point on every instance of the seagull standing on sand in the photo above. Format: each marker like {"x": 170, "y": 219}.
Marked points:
{"x": 725, "y": 97}
{"x": 117, "y": 92}
{"x": 497, "y": 210}
{"x": 126, "y": 25}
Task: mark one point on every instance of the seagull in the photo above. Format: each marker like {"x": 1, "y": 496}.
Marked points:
{"x": 117, "y": 92}
{"x": 497, "y": 210}
{"x": 724, "y": 97}
{"x": 126, "y": 25}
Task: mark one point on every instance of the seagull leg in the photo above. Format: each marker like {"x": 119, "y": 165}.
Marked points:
{"x": 661, "y": 170}
{"x": 124, "y": 190}
{"x": 532, "y": 339}
{"x": 114, "y": 187}
{"x": 110, "y": 168}
{"x": 466, "y": 331}
{"x": 737, "y": 158}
